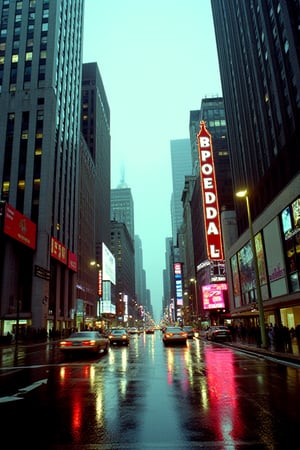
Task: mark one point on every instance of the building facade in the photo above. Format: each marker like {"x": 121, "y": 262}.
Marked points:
{"x": 122, "y": 207}
{"x": 40, "y": 52}
{"x": 94, "y": 197}
{"x": 258, "y": 47}
{"x": 181, "y": 165}
{"x": 95, "y": 126}
{"x": 122, "y": 247}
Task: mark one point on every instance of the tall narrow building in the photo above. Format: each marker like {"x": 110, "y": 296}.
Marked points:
{"x": 40, "y": 84}
{"x": 96, "y": 131}
{"x": 122, "y": 208}
{"x": 181, "y": 164}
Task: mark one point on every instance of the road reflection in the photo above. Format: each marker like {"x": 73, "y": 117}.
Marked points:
{"x": 221, "y": 388}
{"x": 150, "y": 396}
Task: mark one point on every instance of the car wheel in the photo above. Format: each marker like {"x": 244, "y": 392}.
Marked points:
{"x": 105, "y": 350}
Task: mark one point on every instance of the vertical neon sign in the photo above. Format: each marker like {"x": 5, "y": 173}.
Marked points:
{"x": 209, "y": 195}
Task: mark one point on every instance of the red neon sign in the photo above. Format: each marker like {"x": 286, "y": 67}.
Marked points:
{"x": 58, "y": 250}
{"x": 209, "y": 195}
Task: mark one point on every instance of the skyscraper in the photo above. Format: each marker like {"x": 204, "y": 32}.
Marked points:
{"x": 122, "y": 208}
{"x": 96, "y": 131}
{"x": 258, "y": 48}
{"x": 181, "y": 163}
{"x": 40, "y": 83}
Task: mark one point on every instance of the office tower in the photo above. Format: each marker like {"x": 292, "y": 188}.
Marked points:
{"x": 122, "y": 247}
{"x": 140, "y": 274}
{"x": 258, "y": 47}
{"x": 95, "y": 122}
{"x": 94, "y": 195}
{"x": 181, "y": 164}
{"x": 198, "y": 265}
{"x": 122, "y": 243}
{"x": 40, "y": 83}
{"x": 122, "y": 208}
{"x": 213, "y": 113}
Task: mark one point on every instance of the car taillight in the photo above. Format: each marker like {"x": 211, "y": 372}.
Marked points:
{"x": 65, "y": 344}
{"x": 89, "y": 343}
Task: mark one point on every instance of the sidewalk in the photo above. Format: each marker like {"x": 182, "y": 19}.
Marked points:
{"x": 292, "y": 358}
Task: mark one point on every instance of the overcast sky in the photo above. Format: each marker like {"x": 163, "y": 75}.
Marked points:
{"x": 157, "y": 60}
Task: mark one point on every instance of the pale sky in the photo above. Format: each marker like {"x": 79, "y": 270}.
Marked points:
{"x": 157, "y": 60}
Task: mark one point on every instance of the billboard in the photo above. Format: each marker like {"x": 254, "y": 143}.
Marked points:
{"x": 108, "y": 265}
{"x": 209, "y": 195}
{"x": 178, "y": 283}
{"x": 213, "y": 296}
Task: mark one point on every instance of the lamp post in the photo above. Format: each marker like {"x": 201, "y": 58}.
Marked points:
{"x": 194, "y": 281}
{"x": 98, "y": 289}
{"x": 244, "y": 194}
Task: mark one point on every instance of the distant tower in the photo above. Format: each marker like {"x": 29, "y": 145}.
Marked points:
{"x": 181, "y": 166}
{"x": 121, "y": 206}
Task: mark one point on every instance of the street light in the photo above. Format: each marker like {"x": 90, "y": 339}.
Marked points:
{"x": 244, "y": 194}
{"x": 194, "y": 281}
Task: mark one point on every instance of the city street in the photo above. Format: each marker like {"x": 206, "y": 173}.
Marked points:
{"x": 147, "y": 396}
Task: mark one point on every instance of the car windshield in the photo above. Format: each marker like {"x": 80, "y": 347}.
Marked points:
{"x": 171, "y": 329}
{"x": 83, "y": 334}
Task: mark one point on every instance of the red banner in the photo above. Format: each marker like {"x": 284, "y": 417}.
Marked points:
{"x": 19, "y": 227}
{"x": 209, "y": 195}
{"x": 72, "y": 261}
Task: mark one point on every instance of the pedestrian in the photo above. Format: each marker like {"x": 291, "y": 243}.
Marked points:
{"x": 297, "y": 333}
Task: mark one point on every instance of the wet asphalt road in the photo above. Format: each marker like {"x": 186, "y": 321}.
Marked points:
{"x": 148, "y": 396}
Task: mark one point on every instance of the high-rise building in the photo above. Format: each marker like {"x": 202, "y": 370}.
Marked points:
{"x": 122, "y": 247}
{"x": 213, "y": 113}
{"x": 122, "y": 208}
{"x": 93, "y": 196}
{"x": 258, "y": 48}
{"x": 140, "y": 274}
{"x": 40, "y": 83}
{"x": 181, "y": 164}
{"x": 197, "y": 263}
{"x": 95, "y": 123}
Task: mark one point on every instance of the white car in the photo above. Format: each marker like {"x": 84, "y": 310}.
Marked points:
{"x": 174, "y": 335}
{"x": 85, "y": 341}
